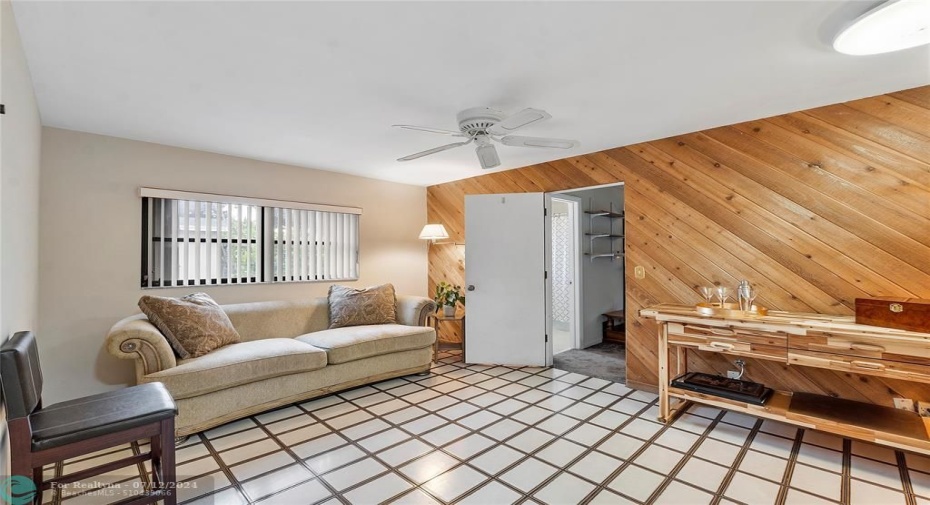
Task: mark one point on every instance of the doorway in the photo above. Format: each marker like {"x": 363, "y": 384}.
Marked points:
{"x": 587, "y": 268}
{"x": 565, "y": 246}
{"x": 509, "y": 279}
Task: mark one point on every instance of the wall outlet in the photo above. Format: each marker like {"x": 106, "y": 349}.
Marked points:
{"x": 737, "y": 374}
{"x": 639, "y": 272}
{"x": 923, "y": 408}
{"x": 905, "y": 404}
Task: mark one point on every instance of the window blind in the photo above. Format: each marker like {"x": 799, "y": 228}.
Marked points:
{"x": 311, "y": 245}
{"x": 188, "y": 242}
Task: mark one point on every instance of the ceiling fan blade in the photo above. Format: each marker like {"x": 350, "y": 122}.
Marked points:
{"x": 487, "y": 155}
{"x": 433, "y": 151}
{"x": 431, "y": 130}
{"x": 523, "y": 118}
{"x": 518, "y": 141}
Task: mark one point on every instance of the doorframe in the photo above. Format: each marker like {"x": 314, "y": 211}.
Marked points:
{"x": 575, "y": 214}
{"x": 560, "y": 194}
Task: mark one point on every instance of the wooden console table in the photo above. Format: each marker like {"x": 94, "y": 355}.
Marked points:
{"x": 813, "y": 340}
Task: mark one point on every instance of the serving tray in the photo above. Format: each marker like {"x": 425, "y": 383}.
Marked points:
{"x": 729, "y": 310}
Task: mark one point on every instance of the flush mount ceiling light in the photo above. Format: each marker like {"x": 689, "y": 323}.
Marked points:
{"x": 892, "y": 26}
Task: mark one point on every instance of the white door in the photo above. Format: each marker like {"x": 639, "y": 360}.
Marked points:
{"x": 505, "y": 251}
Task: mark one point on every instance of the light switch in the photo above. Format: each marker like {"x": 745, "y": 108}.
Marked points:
{"x": 639, "y": 272}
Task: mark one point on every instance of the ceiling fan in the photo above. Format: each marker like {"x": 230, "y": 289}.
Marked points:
{"x": 482, "y": 125}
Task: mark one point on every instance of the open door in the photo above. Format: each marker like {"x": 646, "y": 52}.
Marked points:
{"x": 505, "y": 279}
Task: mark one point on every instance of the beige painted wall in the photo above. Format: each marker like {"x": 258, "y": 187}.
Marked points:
{"x": 90, "y": 239}
{"x": 20, "y": 139}
{"x": 19, "y": 185}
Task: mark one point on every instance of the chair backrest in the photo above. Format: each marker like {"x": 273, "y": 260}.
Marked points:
{"x": 20, "y": 374}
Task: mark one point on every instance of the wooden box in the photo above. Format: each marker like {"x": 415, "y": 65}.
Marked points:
{"x": 902, "y": 313}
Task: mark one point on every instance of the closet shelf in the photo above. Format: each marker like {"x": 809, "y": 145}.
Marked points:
{"x": 614, "y": 231}
{"x": 604, "y": 213}
{"x": 605, "y": 255}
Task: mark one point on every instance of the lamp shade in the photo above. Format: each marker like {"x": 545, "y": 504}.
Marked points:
{"x": 434, "y": 232}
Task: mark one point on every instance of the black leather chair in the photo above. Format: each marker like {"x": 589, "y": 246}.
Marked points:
{"x": 42, "y": 436}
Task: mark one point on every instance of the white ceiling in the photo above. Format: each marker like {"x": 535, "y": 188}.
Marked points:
{"x": 318, "y": 84}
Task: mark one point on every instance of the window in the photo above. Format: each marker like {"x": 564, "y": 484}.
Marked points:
{"x": 194, "y": 239}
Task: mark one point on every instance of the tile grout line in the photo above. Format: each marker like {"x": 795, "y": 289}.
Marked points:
{"x": 547, "y": 413}
{"x": 396, "y": 425}
{"x": 233, "y": 481}
{"x": 551, "y": 413}
{"x": 510, "y": 416}
{"x": 905, "y": 479}
{"x": 589, "y": 450}
{"x": 528, "y": 455}
{"x": 58, "y": 469}
{"x": 300, "y": 461}
{"x": 626, "y": 462}
{"x": 684, "y": 460}
{"x": 845, "y": 489}
{"x": 789, "y": 468}
{"x": 525, "y": 456}
{"x": 311, "y": 417}
{"x": 391, "y": 468}
{"x": 354, "y": 443}
{"x": 728, "y": 478}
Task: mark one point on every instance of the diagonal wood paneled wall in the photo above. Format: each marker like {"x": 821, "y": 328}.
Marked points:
{"x": 815, "y": 208}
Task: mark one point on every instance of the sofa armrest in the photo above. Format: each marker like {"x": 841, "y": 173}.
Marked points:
{"x": 412, "y": 310}
{"x": 138, "y": 339}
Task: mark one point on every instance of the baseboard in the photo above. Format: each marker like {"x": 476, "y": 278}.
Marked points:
{"x": 643, "y": 386}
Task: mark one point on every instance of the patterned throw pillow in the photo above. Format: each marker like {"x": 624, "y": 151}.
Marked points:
{"x": 357, "y": 307}
{"x": 194, "y": 325}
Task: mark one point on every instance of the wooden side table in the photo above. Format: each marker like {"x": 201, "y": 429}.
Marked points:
{"x": 436, "y": 319}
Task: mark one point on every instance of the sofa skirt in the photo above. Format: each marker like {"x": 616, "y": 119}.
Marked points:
{"x": 206, "y": 411}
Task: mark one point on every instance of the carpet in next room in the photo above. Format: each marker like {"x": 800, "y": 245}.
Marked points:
{"x": 605, "y": 361}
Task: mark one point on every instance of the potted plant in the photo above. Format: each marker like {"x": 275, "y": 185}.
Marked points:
{"x": 447, "y": 296}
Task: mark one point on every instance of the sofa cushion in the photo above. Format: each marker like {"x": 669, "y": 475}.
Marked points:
{"x": 356, "y": 342}
{"x": 239, "y": 363}
{"x": 357, "y": 307}
{"x": 194, "y": 324}
{"x": 279, "y": 319}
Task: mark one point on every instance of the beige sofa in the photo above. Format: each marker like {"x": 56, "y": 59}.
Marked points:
{"x": 287, "y": 354}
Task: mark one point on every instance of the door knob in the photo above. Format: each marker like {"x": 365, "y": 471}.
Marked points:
{"x": 471, "y": 287}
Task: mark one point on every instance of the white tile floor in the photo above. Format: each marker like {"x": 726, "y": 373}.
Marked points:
{"x": 496, "y": 435}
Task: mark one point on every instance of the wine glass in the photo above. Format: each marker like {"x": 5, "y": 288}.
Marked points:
{"x": 708, "y": 293}
{"x": 723, "y": 293}
{"x": 751, "y": 298}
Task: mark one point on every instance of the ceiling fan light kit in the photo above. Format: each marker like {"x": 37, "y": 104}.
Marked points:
{"x": 484, "y": 126}
{"x": 486, "y": 152}
{"x": 891, "y": 26}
